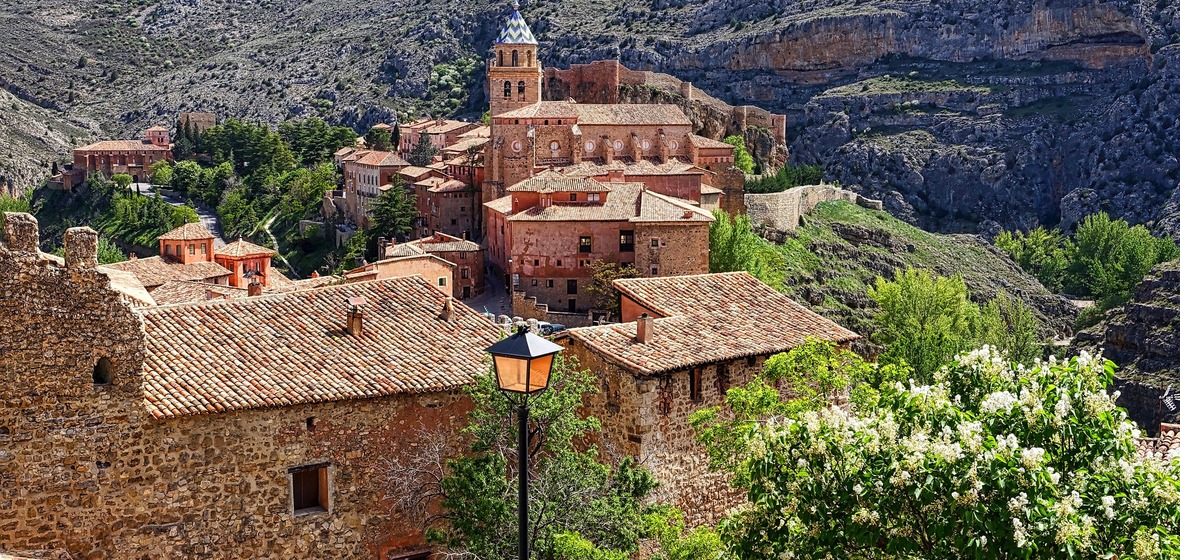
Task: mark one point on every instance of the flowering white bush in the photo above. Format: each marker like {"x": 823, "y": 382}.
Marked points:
{"x": 992, "y": 461}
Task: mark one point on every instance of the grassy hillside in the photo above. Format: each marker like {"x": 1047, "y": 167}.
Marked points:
{"x": 841, "y": 248}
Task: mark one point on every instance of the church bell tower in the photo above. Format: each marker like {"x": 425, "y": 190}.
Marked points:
{"x": 514, "y": 73}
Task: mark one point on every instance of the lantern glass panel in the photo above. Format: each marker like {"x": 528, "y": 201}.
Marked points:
{"x": 512, "y": 373}
{"x": 540, "y": 372}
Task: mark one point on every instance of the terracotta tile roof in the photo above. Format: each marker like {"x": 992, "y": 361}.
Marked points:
{"x": 551, "y": 181}
{"x": 122, "y": 146}
{"x": 450, "y": 185}
{"x": 188, "y": 232}
{"x": 447, "y": 126}
{"x": 287, "y": 349}
{"x": 187, "y": 291}
{"x": 704, "y": 319}
{"x": 642, "y": 167}
{"x": 311, "y": 283}
{"x": 1166, "y": 446}
{"x": 155, "y": 271}
{"x": 243, "y": 248}
{"x": 655, "y": 207}
{"x": 707, "y": 189}
{"x": 382, "y": 159}
{"x": 630, "y": 114}
{"x": 414, "y": 173}
{"x": 621, "y": 204}
{"x": 463, "y": 144}
{"x": 442, "y": 243}
{"x": 502, "y": 205}
{"x": 702, "y": 142}
{"x": 481, "y": 131}
{"x": 543, "y": 110}
{"x": 157, "y": 128}
{"x": 344, "y": 151}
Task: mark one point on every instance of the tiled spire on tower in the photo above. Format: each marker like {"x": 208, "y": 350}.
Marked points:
{"x": 516, "y": 31}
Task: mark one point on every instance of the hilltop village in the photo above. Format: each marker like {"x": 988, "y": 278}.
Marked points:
{"x": 205, "y": 402}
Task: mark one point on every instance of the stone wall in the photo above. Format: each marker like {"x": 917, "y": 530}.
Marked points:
{"x": 782, "y": 211}
{"x": 647, "y": 418}
{"x": 528, "y": 307}
{"x": 86, "y": 469}
{"x": 681, "y": 249}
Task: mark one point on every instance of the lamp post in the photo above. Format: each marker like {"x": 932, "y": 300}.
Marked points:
{"x": 523, "y": 363}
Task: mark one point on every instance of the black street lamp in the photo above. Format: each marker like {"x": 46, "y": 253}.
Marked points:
{"x": 523, "y": 363}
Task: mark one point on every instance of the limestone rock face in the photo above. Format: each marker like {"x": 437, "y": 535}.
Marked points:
{"x": 1143, "y": 338}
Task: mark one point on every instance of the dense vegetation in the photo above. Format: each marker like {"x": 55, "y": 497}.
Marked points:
{"x": 985, "y": 460}
{"x": 741, "y": 156}
{"x": 121, "y": 215}
{"x": 581, "y": 508}
{"x": 1104, "y": 259}
{"x": 786, "y": 177}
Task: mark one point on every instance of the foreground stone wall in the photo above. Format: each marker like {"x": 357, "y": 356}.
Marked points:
{"x": 85, "y": 469}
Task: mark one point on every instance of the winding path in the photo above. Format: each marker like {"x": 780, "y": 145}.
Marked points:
{"x": 275, "y": 242}
{"x": 208, "y": 217}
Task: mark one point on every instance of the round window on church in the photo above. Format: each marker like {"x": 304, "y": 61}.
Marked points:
{"x": 673, "y": 145}
{"x": 554, "y": 145}
{"x": 516, "y": 146}
{"x": 589, "y": 147}
{"x": 646, "y": 145}
{"x": 618, "y": 145}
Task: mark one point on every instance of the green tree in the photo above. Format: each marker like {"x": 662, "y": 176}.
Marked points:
{"x": 1109, "y": 257}
{"x": 1040, "y": 252}
{"x": 187, "y": 177}
{"x": 733, "y": 246}
{"x": 161, "y": 173}
{"x": 571, "y": 492}
{"x": 423, "y": 152}
{"x": 393, "y": 213}
{"x": 379, "y": 139}
{"x": 1011, "y": 326}
{"x": 741, "y": 157}
{"x": 602, "y": 291}
{"x": 183, "y": 215}
{"x": 15, "y": 204}
{"x": 786, "y": 177}
{"x": 924, "y": 321}
{"x": 108, "y": 252}
{"x": 932, "y": 472}
{"x": 121, "y": 181}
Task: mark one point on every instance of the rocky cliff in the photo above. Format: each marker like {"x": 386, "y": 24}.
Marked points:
{"x": 1143, "y": 338}
{"x": 963, "y": 115}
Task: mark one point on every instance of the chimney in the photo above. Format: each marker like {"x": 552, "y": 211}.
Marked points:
{"x": 644, "y": 329}
{"x": 315, "y": 274}
{"x": 448, "y": 309}
{"x": 356, "y": 315}
{"x": 131, "y": 256}
{"x": 254, "y": 289}
{"x": 381, "y": 248}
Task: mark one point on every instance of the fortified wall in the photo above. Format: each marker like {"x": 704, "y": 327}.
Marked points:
{"x": 782, "y": 211}
{"x": 608, "y": 81}
{"x": 87, "y": 472}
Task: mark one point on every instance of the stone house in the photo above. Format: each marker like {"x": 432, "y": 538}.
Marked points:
{"x": 684, "y": 341}
{"x": 367, "y": 173}
{"x": 447, "y": 206}
{"x": 549, "y": 230}
{"x": 186, "y": 254}
{"x": 236, "y": 428}
{"x": 465, "y": 257}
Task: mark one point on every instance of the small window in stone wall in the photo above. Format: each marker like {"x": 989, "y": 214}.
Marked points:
{"x": 694, "y": 385}
{"x": 309, "y": 489}
{"x": 102, "y": 372}
{"x": 722, "y": 379}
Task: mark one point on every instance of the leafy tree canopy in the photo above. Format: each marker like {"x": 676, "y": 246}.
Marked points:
{"x": 741, "y": 156}
{"x": 988, "y": 461}
{"x": 734, "y": 246}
